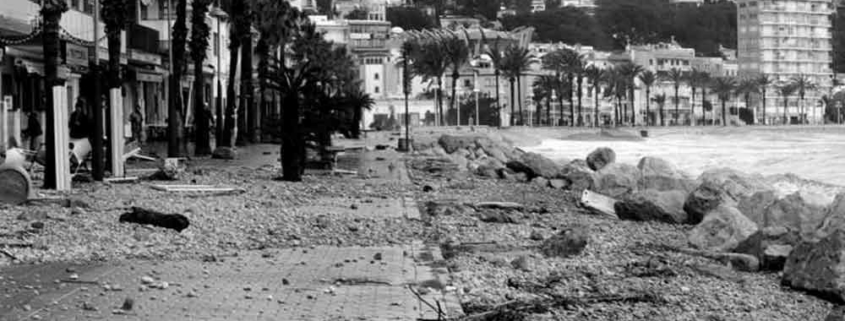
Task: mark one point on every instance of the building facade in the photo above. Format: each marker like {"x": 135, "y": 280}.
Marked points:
{"x": 786, "y": 39}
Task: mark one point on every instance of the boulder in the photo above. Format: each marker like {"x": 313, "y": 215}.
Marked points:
{"x": 578, "y": 177}
{"x": 722, "y": 229}
{"x": 818, "y": 267}
{"x": 600, "y": 158}
{"x": 616, "y": 180}
{"x": 792, "y": 212}
{"x": 452, "y": 143}
{"x": 834, "y": 217}
{"x": 558, "y": 183}
{"x": 488, "y": 166}
{"x": 653, "y": 205}
{"x": 755, "y": 207}
{"x": 459, "y": 160}
{"x": 569, "y": 242}
{"x": 579, "y": 162}
{"x": 541, "y": 182}
{"x": 771, "y": 246}
{"x": 721, "y": 187}
{"x": 836, "y": 314}
{"x": 535, "y": 165}
{"x": 660, "y": 174}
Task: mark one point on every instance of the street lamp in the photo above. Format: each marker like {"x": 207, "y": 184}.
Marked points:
{"x": 406, "y": 85}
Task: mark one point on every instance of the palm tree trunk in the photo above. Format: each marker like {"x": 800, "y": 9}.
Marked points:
{"x": 246, "y": 98}
{"x": 519, "y": 98}
{"x": 229, "y": 118}
{"x": 596, "y": 102}
{"x": 513, "y": 108}
{"x": 293, "y": 145}
{"x": 571, "y": 100}
{"x": 724, "y": 113}
{"x": 747, "y": 102}
{"x": 439, "y": 91}
{"x": 455, "y": 76}
{"x": 647, "y": 106}
{"x": 633, "y": 110}
{"x": 662, "y": 117}
{"x": 498, "y": 105}
{"x": 549, "y": 110}
{"x": 677, "y": 103}
{"x": 764, "y": 106}
{"x": 692, "y": 108}
{"x": 785, "y": 108}
{"x": 580, "y": 110}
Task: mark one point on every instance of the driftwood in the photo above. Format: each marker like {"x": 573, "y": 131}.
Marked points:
{"x": 499, "y": 205}
{"x": 204, "y": 189}
{"x": 139, "y": 215}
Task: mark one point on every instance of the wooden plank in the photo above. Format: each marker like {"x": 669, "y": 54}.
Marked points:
{"x": 599, "y": 203}
{"x": 116, "y": 180}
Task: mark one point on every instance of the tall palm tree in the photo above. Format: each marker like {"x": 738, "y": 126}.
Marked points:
{"x": 275, "y": 22}
{"x": 429, "y": 61}
{"x": 694, "y": 81}
{"x": 786, "y": 90}
{"x": 516, "y": 61}
{"x": 704, "y": 81}
{"x": 746, "y": 88}
{"x": 676, "y": 77}
{"x": 764, "y": 82}
{"x": 661, "y": 101}
{"x": 802, "y": 84}
{"x": 457, "y": 54}
{"x": 495, "y": 55}
{"x": 51, "y": 14}
{"x": 724, "y": 87}
{"x": 577, "y": 67}
{"x": 544, "y": 86}
{"x": 199, "y": 44}
{"x": 615, "y": 89}
{"x": 595, "y": 77}
{"x": 565, "y": 63}
{"x": 647, "y": 78}
{"x": 175, "y": 121}
{"x": 238, "y": 26}
{"x": 630, "y": 72}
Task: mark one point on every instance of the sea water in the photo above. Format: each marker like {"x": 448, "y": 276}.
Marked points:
{"x": 817, "y": 159}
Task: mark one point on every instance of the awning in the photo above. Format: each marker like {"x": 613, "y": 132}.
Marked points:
{"x": 32, "y": 67}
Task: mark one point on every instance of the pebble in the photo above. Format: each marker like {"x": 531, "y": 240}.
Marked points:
{"x": 285, "y": 282}
{"x": 147, "y": 280}
{"x": 27, "y": 307}
{"x": 191, "y": 294}
{"x": 73, "y": 276}
{"x": 128, "y": 303}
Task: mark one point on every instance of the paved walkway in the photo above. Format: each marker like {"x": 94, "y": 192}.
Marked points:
{"x": 319, "y": 283}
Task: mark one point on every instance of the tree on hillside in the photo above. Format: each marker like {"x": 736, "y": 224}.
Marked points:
{"x": 324, "y": 7}
{"x": 634, "y": 21}
{"x": 471, "y": 8}
{"x": 199, "y": 44}
{"x": 409, "y": 18}
{"x": 648, "y": 78}
{"x": 568, "y": 25}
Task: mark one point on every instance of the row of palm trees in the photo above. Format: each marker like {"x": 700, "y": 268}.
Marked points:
{"x": 569, "y": 71}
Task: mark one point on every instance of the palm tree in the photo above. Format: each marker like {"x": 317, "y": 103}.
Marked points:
{"x": 457, "y": 54}
{"x": 785, "y": 91}
{"x": 51, "y": 13}
{"x": 246, "y": 106}
{"x": 615, "y": 89}
{"x": 275, "y": 22}
{"x": 724, "y": 88}
{"x": 543, "y": 88}
{"x": 496, "y": 59}
{"x": 239, "y": 26}
{"x": 577, "y": 66}
{"x": 516, "y": 61}
{"x": 764, "y": 82}
{"x": 661, "y": 101}
{"x": 199, "y": 44}
{"x": 704, "y": 82}
{"x": 694, "y": 81}
{"x": 746, "y": 88}
{"x": 647, "y": 78}
{"x": 629, "y": 73}
{"x": 676, "y": 76}
{"x": 429, "y": 61}
{"x": 802, "y": 84}
{"x": 565, "y": 63}
{"x": 175, "y": 115}
{"x": 594, "y": 77}
{"x": 358, "y": 100}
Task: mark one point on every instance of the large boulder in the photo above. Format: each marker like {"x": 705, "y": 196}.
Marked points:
{"x": 617, "y": 180}
{"x": 488, "y": 167}
{"x": 818, "y": 267}
{"x": 600, "y": 158}
{"x": 792, "y": 212}
{"x": 659, "y": 174}
{"x": 569, "y": 242}
{"x": 721, "y": 187}
{"x": 579, "y": 176}
{"x": 452, "y": 143}
{"x": 653, "y": 205}
{"x": 722, "y": 229}
{"x": 755, "y": 206}
{"x": 770, "y": 245}
{"x": 535, "y": 165}
{"x": 834, "y": 217}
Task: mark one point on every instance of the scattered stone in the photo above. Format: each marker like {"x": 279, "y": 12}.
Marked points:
{"x": 818, "y": 267}
{"x": 653, "y": 205}
{"x": 428, "y": 188}
{"x": 499, "y": 216}
{"x": 224, "y": 153}
{"x": 579, "y": 177}
{"x": 88, "y": 307}
{"x": 285, "y": 282}
{"x": 600, "y": 158}
{"x": 191, "y": 294}
{"x": 539, "y": 181}
{"x": 558, "y": 183}
{"x": 754, "y": 207}
{"x": 139, "y": 215}
{"x": 354, "y": 206}
{"x": 37, "y": 225}
{"x": 569, "y": 242}
{"x": 27, "y": 307}
{"x": 147, "y": 280}
{"x": 792, "y": 212}
{"x": 721, "y": 187}
{"x": 535, "y": 165}
{"x": 73, "y": 276}
{"x": 771, "y": 246}
{"x": 722, "y": 229}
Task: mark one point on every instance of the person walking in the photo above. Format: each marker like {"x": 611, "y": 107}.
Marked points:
{"x": 136, "y": 119}
{"x": 80, "y": 124}
{"x": 33, "y": 131}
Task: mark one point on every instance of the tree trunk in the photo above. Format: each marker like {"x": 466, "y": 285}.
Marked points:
{"x": 246, "y": 106}
{"x": 571, "y": 101}
{"x": 293, "y": 144}
{"x": 692, "y": 108}
{"x": 747, "y": 103}
{"x": 724, "y": 114}
{"x": 662, "y": 115}
{"x": 560, "y": 101}
{"x": 498, "y": 105}
{"x": 633, "y": 110}
{"x": 519, "y": 99}
{"x": 455, "y": 76}
{"x": 703, "y": 99}
{"x": 229, "y": 119}
{"x": 785, "y": 108}
{"x": 201, "y": 128}
{"x": 764, "y": 107}
{"x": 596, "y": 102}
{"x": 175, "y": 123}
{"x": 647, "y": 106}
{"x": 263, "y": 52}
{"x": 677, "y": 103}
{"x": 549, "y": 111}
{"x": 439, "y": 91}
{"x": 580, "y": 107}
{"x": 50, "y": 35}
{"x": 513, "y": 108}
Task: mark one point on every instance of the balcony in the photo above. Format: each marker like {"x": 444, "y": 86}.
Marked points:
{"x": 143, "y": 38}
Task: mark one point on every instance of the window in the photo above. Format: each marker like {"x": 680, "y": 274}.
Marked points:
{"x": 376, "y": 90}
{"x": 375, "y": 76}
{"x": 144, "y": 12}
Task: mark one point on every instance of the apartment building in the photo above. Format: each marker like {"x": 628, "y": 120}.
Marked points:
{"x": 785, "y": 39}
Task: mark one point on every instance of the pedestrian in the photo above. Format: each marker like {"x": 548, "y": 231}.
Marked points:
{"x": 136, "y": 119}
{"x": 80, "y": 124}
{"x": 33, "y": 131}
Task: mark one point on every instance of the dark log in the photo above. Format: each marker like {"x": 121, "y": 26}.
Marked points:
{"x": 139, "y": 215}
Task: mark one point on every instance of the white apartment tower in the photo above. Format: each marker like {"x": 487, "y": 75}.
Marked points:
{"x": 784, "y": 39}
